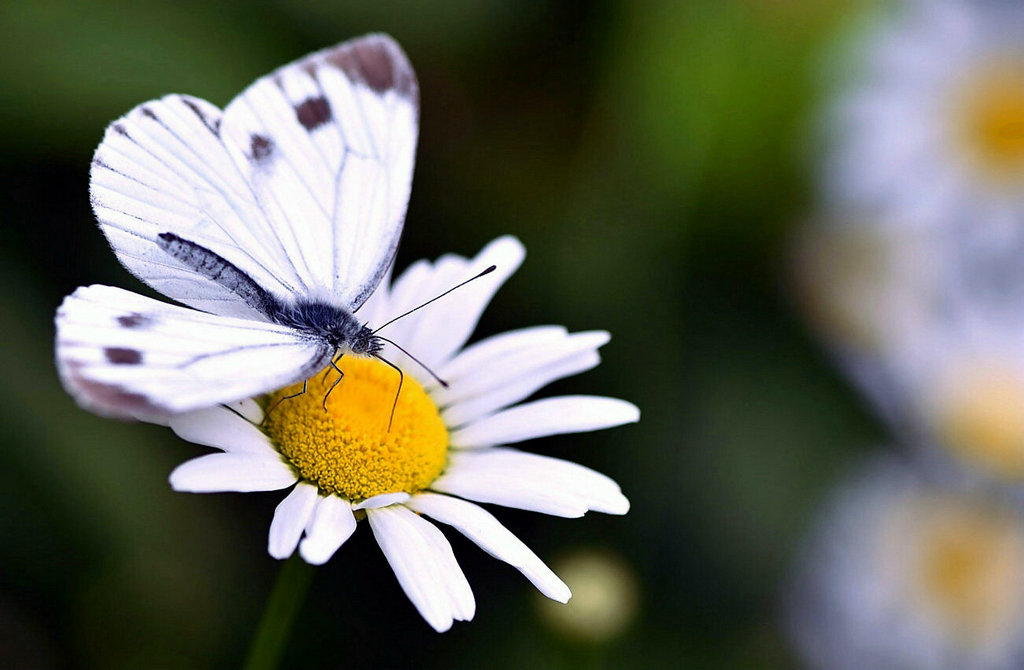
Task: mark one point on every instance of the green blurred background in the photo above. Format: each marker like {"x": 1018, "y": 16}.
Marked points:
{"x": 653, "y": 157}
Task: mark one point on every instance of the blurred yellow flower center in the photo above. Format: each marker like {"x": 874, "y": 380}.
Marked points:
{"x": 348, "y": 450}
{"x": 969, "y": 568}
{"x": 980, "y": 418}
{"x": 993, "y": 121}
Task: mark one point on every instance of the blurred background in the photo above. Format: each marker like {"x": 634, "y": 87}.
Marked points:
{"x": 657, "y": 159}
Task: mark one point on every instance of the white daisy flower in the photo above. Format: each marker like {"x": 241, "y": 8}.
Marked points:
{"x": 931, "y": 131}
{"x": 901, "y": 574}
{"x": 444, "y": 451}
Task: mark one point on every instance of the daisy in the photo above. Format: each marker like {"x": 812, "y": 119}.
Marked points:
{"x": 444, "y": 450}
{"x": 931, "y": 130}
{"x": 900, "y": 573}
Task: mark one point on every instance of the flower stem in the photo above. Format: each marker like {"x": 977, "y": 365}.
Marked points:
{"x": 285, "y": 601}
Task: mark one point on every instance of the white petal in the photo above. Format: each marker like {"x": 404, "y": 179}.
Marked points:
{"x": 527, "y": 481}
{"x": 221, "y": 428}
{"x": 480, "y": 355}
{"x": 467, "y": 411}
{"x": 550, "y": 416}
{"x": 290, "y": 519}
{"x": 383, "y": 500}
{"x": 424, "y": 564}
{"x": 454, "y": 581}
{"x": 516, "y": 377}
{"x": 483, "y": 529}
{"x": 446, "y": 272}
{"x": 406, "y": 293}
{"x": 512, "y": 366}
{"x": 232, "y": 472}
{"x": 249, "y": 409}
{"x": 332, "y": 523}
{"x": 516, "y": 365}
{"x": 446, "y": 326}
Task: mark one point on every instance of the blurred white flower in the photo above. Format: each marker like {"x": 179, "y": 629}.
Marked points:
{"x": 930, "y": 132}
{"x": 938, "y": 350}
{"x": 346, "y": 460}
{"x": 902, "y": 575}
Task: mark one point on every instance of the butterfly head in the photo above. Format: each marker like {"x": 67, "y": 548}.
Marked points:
{"x": 365, "y": 342}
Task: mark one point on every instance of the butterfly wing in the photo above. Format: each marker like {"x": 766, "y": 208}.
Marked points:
{"x": 131, "y": 357}
{"x": 301, "y": 182}
{"x": 328, "y": 144}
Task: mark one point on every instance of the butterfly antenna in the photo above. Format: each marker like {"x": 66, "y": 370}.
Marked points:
{"x": 415, "y": 360}
{"x": 401, "y": 380}
{"x": 400, "y": 316}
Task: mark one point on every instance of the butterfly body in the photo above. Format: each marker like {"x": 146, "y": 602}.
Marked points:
{"x": 336, "y": 326}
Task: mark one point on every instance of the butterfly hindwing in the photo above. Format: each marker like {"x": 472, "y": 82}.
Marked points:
{"x": 301, "y": 182}
{"x": 127, "y": 356}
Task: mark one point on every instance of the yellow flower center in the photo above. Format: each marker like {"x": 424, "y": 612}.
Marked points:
{"x": 980, "y": 418}
{"x": 968, "y": 568}
{"x": 992, "y": 122}
{"x": 348, "y": 450}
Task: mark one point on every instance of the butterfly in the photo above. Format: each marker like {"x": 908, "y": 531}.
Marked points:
{"x": 274, "y": 220}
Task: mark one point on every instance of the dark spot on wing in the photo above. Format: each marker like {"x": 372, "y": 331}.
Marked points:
{"x": 119, "y": 129}
{"x": 313, "y": 113}
{"x": 378, "y": 62}
{"x": 146, "y": 111}
{"x": 260, "y": 147}
{"x": 134, "y": 320}
{"x": 213, "y": 125}
{"x": 123, "y": 356}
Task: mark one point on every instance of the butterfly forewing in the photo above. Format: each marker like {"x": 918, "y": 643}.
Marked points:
{"x": 328, "y": 144}
{"x": 162, "y": 168}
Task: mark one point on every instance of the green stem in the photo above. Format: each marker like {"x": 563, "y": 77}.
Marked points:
{"x": 285, "y": 601}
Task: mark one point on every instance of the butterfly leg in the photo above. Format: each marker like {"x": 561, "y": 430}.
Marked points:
{"x": 401, "y": 380}
{"x": 341, "y": 375}
{"x": 287, "y": 397}
{"x": 334, "y": 365}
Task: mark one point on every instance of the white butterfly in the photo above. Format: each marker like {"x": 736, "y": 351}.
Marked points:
{"x": 276, "y": 217}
